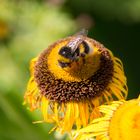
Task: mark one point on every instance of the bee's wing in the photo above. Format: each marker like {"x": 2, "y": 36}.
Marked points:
{"x": 82, "y": 32}
{"x": 78, "y": 39}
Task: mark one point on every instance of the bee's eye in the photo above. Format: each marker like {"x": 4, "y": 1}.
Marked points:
{"x": 65, "y": 52}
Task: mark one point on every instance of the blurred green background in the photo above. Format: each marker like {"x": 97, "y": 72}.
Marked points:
{"x": 29, "y": 26}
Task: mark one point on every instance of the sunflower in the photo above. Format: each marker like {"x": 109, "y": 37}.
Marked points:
{"x": 121, "y": 121}
{"x": 71, "y": 78}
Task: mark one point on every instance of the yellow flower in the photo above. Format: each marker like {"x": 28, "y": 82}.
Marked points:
{"x": 72, "y": 77}
{"x": 121, "y": 121}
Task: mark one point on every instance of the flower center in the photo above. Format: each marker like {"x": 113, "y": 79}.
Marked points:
{"x": 79, "y": 82}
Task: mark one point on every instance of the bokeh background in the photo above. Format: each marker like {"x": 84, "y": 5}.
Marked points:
{"x": 29, "y": 26}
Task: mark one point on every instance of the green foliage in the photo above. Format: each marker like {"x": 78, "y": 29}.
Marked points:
{"x": 127, "y": 11}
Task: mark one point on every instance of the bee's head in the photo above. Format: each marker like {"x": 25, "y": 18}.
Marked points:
{"x": 68, "y": 53}
{"x": 73, "y": 52}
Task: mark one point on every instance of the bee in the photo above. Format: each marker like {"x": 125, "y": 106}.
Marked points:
{"x": 72, "y": 51}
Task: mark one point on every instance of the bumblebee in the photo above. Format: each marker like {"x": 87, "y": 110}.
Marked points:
{"x": 72, "y": 51}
